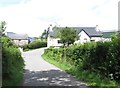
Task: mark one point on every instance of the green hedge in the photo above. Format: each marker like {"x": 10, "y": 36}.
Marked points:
{"x": 35, "y": 44}
{"x": 12, "y": 63}
{"x": 102, "y": 57}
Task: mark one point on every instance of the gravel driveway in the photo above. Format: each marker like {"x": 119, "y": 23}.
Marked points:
{"x": 38, "y": 72}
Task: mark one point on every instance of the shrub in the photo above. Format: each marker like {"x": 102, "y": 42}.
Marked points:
{"x": 34, "y": 45}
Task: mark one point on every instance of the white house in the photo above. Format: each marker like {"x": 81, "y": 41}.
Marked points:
{"x": 86, "y": 34}
{"x": 18, "y": 39}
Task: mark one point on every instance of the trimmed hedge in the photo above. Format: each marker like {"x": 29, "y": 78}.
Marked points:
{"x": 12, "y": 63}
{"x": 35, "y": 44}
{"x": 102, "y": 57}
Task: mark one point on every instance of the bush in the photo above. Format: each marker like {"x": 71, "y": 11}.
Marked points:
{"x": 12, "y": 63}
{"x": 34, "y": 45}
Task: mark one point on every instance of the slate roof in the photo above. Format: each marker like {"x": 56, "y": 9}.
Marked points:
{"x": 17, "y": 36}
{"x": 90, "y": 31}
{"x": 108, "y": 34}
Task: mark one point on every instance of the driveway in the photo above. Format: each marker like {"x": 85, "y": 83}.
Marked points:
{"x": 38, "y": 72}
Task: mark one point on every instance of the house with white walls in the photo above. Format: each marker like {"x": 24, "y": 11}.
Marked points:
{"x": 86, "y": 34}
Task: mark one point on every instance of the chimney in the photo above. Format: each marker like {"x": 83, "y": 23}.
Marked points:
{"x": 97, "y": 28}
{"x": 50, "y": 27}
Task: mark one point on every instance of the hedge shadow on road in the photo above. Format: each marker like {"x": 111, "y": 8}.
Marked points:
{"x": 50, "y": 78}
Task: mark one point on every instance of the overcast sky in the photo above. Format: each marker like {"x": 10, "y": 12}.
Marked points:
{"x": 33, "y": 16}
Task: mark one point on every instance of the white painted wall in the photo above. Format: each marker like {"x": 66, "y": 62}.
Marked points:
{"x": 53, "y": 42}
{"x": 21, "y": 42}
{"x": 83, "y": 37}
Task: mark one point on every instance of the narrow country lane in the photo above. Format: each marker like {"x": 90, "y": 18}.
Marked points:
{"x": 38, "y": 72}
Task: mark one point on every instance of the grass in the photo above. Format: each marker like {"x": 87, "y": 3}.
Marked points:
{"x": 28, "y": 49}
{"x": 92, "y": 79}
{"x": 25, "y": 50}
{"x": 64, "y": 66}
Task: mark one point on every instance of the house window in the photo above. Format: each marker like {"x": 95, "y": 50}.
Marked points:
{"x": 92, "y": 40}
{"x": 85, "y": 38}
{"x": 59, "y": 41}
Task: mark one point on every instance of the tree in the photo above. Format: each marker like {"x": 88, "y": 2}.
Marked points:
{"x": 68, "y": 36}
{"x": 2, "y": 27}
{"x": 45, "y": 34}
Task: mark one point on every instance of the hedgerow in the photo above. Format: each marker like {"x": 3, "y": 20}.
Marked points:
{"x": 102, "y": 58}
{"x": 12, "y": 63}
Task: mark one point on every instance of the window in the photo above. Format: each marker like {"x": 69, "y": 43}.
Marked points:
{"x": 92, "y": 40}
{"x": 59, "y": 41}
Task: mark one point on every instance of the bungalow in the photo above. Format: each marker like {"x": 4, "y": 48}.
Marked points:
{"x": 86, "y": 34}
{"x": 18, "y": 39}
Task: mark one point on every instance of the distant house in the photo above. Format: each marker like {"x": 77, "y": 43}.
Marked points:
{"x": 19, "y": 39}
{"x": 86, "y": 34}
{"x": 107, "y": 36}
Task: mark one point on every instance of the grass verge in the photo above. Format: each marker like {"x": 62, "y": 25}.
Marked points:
{"x": 90, "y": 78}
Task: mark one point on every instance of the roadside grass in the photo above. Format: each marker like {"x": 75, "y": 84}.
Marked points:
{"x": 32, "y": 49}
{"x": 64, "y": 66}
{"x": 92, "y": 79}
{"x": 25, "y": 50}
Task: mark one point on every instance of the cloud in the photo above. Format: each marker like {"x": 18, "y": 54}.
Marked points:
{"x": 33, "y": 16}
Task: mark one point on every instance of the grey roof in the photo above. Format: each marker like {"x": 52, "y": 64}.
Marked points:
{"x": 90, "y": 31}
{"x": 52, "y": 33}
{"x": 17, "y": 36}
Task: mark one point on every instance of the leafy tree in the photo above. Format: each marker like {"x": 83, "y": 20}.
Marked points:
{"x": 68, "y": 36}
{"x": 45, "y": 34}
{"x": 2, "y": 27}
{"x": 56, "y": 31}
